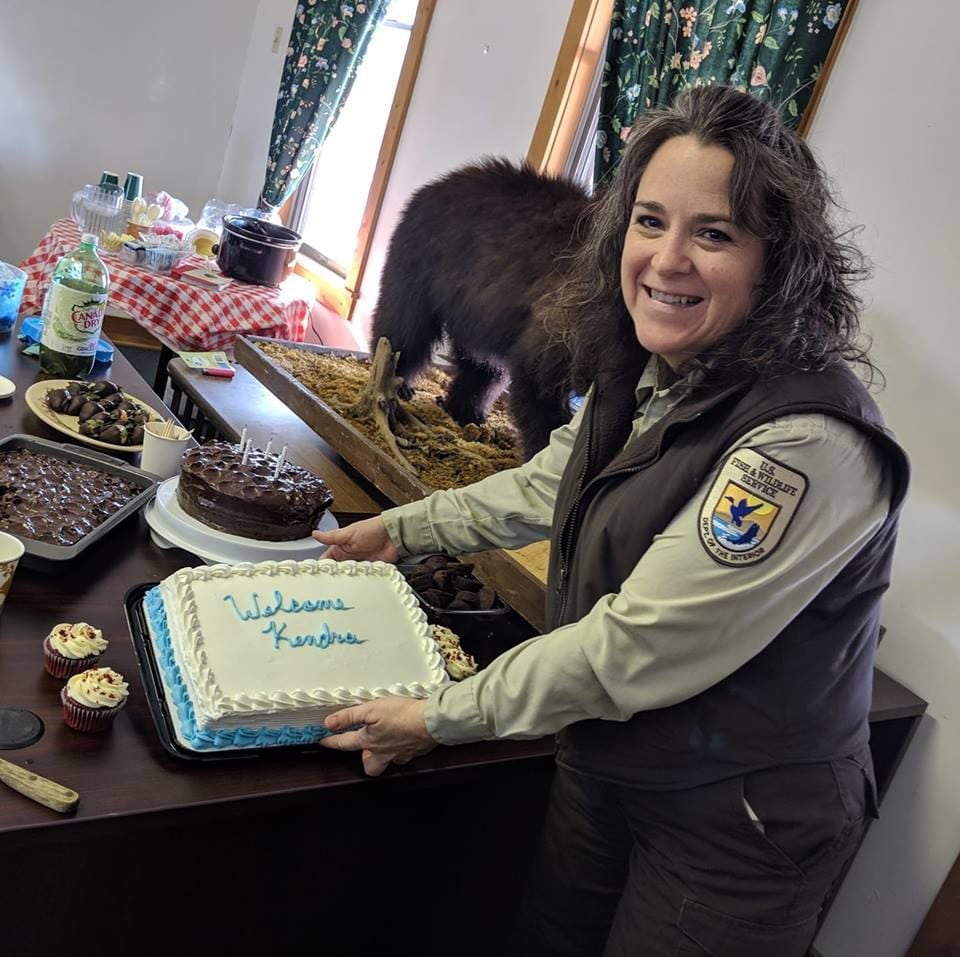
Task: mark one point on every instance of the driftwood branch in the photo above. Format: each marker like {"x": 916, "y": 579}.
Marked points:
{"x": 379, "y": 401}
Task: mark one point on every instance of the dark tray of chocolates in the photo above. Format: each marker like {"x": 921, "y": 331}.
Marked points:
{"x": 447, "y": 588}
{"x": 59, "y": 499}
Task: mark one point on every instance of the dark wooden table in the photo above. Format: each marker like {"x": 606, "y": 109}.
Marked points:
{"x": 225, "y": 845}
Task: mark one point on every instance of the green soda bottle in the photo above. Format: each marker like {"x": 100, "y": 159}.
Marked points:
{"x": 73, "y": 312}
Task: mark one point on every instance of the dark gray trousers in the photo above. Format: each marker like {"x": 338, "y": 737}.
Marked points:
{"x": 737, "y": 868}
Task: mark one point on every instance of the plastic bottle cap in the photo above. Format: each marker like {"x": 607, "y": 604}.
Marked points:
{"x": 88, "y": 239}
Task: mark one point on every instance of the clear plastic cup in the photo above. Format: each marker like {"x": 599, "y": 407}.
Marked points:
{"x": 12, "y": 282}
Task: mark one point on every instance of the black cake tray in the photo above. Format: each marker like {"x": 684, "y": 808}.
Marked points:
{"x": 160, "y": 708}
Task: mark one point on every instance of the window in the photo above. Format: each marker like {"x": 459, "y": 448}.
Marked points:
{"x": 329, "y": 206}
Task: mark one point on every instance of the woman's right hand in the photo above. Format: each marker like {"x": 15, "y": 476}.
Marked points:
{"x": 365, "y": 541}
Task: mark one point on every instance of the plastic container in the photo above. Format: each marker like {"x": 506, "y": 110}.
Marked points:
{"x": 164, "y": 712}
{"x": 171, "y": 526}
{"x": 160, "y": 258}
{"x": 451, "y": 616}
{"x": 12, "y": 282}
{"x": 132, "y": 253}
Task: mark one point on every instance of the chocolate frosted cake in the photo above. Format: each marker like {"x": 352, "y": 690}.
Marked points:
{"x": 242, "y": 498}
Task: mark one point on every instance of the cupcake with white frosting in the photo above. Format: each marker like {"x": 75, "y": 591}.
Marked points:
{"x": 93, "y": 698}
{"x": 70, "y": 649}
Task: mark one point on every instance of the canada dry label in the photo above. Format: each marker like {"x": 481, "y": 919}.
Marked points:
{"x": 72, "y": 321}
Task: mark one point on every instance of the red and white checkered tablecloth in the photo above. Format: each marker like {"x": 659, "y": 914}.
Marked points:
{"x": 187, "y": 317}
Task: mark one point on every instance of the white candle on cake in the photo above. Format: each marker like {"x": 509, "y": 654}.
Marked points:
{"x": 281, "y": 458}
{"x": 243, "y": 437}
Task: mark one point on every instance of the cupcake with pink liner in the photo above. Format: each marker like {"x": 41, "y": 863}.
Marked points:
{"x": 70, "y": 649}
{"x": 93, "y": 698}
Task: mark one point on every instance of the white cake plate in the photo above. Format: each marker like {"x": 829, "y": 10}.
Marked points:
{"x": 172, "y": 527}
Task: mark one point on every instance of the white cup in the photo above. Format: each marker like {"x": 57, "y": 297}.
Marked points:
{"x": 11, "y": 550}
{"x": 161, "y": 454}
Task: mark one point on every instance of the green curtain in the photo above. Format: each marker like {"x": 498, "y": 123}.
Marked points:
{"x": 327, "y": 44}
{"x": 775, "y": 49}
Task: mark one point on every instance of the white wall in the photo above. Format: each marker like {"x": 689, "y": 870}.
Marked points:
{"x": 245, "y": 163}
{"x": 118, "y": 84}
{"x": 484, "y": 74}
{"x": 887, "y": 129}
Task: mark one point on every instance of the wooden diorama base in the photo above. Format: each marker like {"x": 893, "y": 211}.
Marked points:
{"x": 519, "y": 576}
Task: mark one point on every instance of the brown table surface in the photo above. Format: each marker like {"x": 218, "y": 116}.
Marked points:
{"x": 126, "y": 771}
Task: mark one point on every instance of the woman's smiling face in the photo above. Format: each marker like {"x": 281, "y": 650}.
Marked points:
{"x": 688, "y": 272}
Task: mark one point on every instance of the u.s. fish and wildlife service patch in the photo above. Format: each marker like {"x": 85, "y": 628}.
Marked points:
{"x": 749, "y": 507}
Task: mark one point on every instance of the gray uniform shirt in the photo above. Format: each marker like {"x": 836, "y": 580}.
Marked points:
{"x": 681, "y": 622}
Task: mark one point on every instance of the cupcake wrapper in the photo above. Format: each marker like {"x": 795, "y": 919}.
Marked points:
{"x": 81, "y": 718}
{"x": 60, "y": 666}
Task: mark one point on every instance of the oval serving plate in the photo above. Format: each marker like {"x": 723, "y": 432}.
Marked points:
{"x": 36, "y": 399}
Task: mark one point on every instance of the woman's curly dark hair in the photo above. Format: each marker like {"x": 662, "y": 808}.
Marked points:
{"x": 806, "y": 314}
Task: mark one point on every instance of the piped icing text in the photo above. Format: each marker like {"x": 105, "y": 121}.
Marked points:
{"x": 290, "y": 606}
{"x": 324, "y": 638}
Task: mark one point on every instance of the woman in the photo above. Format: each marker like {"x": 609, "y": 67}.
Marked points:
{"x": 722, "y": 515}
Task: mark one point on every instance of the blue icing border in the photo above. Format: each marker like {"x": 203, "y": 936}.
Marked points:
{"x": 177, "y": 692}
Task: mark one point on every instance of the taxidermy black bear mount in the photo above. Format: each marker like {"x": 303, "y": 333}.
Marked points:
{"x": 477, "y": 256}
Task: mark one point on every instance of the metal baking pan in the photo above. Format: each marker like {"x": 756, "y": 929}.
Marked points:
{"x": 39, "y": 553}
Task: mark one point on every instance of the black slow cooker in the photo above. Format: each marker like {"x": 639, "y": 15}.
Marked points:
{"x": 253, "y": 250}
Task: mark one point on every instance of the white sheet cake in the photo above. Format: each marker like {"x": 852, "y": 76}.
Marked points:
{"x": 258, "y": 655}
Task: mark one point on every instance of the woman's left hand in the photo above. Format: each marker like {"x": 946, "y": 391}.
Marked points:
{"x": 393, "y": 731}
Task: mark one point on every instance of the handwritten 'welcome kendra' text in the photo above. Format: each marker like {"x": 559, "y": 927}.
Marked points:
{"x": 291, "y": 606}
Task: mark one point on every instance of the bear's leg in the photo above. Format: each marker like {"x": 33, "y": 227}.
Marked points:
{"x": 405, "y": 316}
{"x": 473, "y": 389}
{"x": 536, "y": 414}
{"x": 416, "y": 349}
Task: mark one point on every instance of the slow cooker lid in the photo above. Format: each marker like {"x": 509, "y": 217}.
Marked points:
{"x": 249, "y": 227}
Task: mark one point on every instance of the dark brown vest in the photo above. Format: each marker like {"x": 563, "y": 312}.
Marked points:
{"x": 806, "y": 696}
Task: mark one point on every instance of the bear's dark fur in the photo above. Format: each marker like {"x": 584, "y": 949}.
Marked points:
{"x": 473, "y": 255}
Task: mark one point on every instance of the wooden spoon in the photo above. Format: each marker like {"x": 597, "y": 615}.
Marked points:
{"x": 41, "y": 790}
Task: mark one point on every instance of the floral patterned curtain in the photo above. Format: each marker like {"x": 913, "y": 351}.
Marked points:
{"x": 775, "y": 49}
{"x": 327, "y": 45}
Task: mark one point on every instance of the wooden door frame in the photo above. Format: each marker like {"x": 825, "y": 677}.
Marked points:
{"x": 842, "y": 29}
{"x": 581, "y": 50}
{"x": 582, "y": 47}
